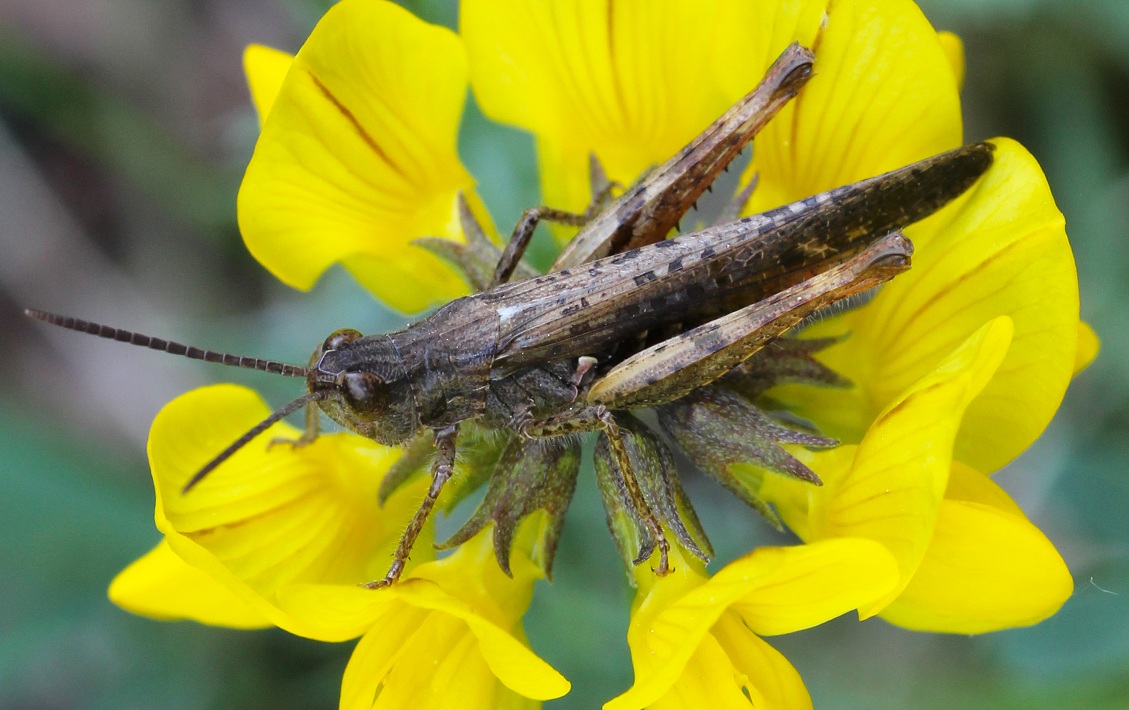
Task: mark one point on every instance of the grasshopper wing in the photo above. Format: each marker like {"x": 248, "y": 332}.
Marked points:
{"x": 696, "y": 277}
{"x": 679, "y": 365}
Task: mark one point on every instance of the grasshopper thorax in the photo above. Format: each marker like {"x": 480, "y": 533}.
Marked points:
{"x": 372, "y": 394}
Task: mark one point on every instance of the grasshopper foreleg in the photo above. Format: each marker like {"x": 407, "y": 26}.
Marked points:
{"x": 313, "y": 428}
{"x": 440, "y": 473}
{"x": 598, "y": 418}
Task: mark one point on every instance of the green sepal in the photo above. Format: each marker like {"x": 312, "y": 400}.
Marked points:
{"x": 479, "y": 450}
{"x": 653, "y": 467}
{"x": 530, "y": 475}
{"x": 785, "y": 361}
{"x": 478, "y": 257}
{"x": 717, "y": 427}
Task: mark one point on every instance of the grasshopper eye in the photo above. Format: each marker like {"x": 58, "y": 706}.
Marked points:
{"x": 340, "y": 338}
{"x": 362, "y": 388}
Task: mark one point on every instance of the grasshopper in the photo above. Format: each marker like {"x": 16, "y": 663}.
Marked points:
{"x": 626, "y": 319}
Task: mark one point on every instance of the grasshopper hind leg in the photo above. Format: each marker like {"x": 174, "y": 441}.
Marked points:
{"x": 598, "y": 418}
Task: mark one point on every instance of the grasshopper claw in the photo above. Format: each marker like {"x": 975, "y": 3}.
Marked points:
{"x": 664, "y": 567}
{"x": 389, "y": 579}
{"x": 295, "y": 442}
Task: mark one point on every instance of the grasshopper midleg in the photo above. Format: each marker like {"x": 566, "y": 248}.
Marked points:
{"x": 598, "y": 418}
{"x": 533, "y": 216}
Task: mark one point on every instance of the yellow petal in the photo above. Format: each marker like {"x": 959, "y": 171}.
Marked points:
{"x": 270, "y": 517}
{"x": 710, "y": 680}
{"x": 161, "y": 585}
{"x": 772, "y": 682}
{"x": 378, "y": 652}
{"x": 884, "y": 95}
{"x": 814, "y": 583}
{"x": 1001, "y": 250}
{"x": 472, "y": 575}
{"x": 1088, "y": 347}
{"x": 967, "y": 485}
{"x": 421, "y": 659}
{"x": 750, "y": 36}
{"x": 469, "y": 580}
{"x": 342, "y": 611}
{"x": 509, "y": 658}
{"x": 595, "y": 76}
{"x": 265, "y": 68}
{"x": 987, "y": 568}
{"x": 953, "y": 48}
{"x": 892, "y": 489}
{"x": 1004, "y": 252}
{"x": 435, "y": 640}
{"x": 358, "y": 156}
{"x": 774, "y": 590}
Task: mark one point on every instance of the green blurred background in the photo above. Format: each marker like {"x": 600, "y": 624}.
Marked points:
{"x": 124, "y": 128}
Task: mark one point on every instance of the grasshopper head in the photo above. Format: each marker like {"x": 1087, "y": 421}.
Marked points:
{"x": 372, "y": 394}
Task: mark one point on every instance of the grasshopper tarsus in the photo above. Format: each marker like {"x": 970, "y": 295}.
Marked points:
{"x": 389, "y": 579}
{"x": 297, "y": 442}
{"x": 664, "y": 567}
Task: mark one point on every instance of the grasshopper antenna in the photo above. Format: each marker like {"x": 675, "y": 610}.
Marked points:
{"x": 254, "y": 431}
{"x": 145, "y": 341}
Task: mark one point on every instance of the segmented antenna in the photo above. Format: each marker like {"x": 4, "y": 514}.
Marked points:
{"x": 259, "y": 428}
{"x": 145, "y": 341}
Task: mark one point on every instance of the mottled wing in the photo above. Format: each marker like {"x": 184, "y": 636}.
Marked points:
{"x": 681, "y": 364}
{"x": 588, "y": 309}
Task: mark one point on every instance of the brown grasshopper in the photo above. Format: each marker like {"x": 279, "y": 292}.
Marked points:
{"x": 626, "y": 319}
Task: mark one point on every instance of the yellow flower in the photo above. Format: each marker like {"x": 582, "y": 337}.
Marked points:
{"x": 449, "y": 635}
{"x": 956, "y": 366}
{"x": 358, "y": 148}
{"x": 286, "y": 535}
{"x": 993, "y": 271}
{"x": 278, "y": 516}
{"x": 695, "y": 641}
{"x": 970, "y": 560}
